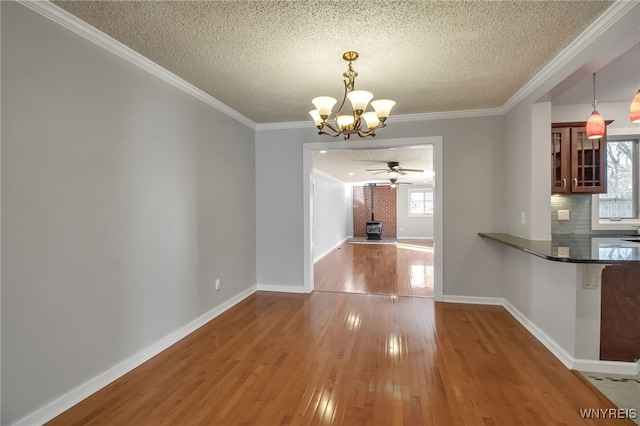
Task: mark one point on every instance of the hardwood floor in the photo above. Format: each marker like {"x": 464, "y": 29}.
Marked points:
{"x": 405, "y": 269}
{"x": 350, "y": 359}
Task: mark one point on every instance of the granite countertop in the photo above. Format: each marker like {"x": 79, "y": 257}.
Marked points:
{"x": 575, "y": 248}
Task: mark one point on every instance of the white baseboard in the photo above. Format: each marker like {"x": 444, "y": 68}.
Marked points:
{"x": 474, "y": 300}
{"x": 93, "y": 385}
{"x": 542, "y": 337}
{"x": 414, "y": 238}
{"x": 607, "y": 367}
{"x": 281, "y": 288}
{"x": 594, "y": 366}
{"x": 331, "y": 249}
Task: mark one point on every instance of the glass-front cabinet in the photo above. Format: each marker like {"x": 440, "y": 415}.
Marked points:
{"x": 578, "y": 164}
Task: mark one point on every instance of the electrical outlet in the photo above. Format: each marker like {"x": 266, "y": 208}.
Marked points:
{"x": 218, "y": 284}
{"x": 563, "y": 251}
{"x": 523, "y": 218}
{"x": 590, "y": 284}
{"x": 563, "y": 215}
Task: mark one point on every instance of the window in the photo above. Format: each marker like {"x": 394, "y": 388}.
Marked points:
{"x": 618, "y": 208}
{"x": 420, "y": 202}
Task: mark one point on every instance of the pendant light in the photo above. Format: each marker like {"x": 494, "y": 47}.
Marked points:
{"x": 634, "y": 109}
{"x": 595, "y": 123}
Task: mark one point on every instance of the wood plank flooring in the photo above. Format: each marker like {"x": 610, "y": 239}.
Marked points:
{"x": 405, "y": 269}
{"x": 349, "y": 359}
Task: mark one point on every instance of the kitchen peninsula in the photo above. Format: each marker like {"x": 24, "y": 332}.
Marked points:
{"x": 618, "y": 258}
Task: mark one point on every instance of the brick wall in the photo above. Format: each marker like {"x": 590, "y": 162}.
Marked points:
{"x": 384, "y": 209}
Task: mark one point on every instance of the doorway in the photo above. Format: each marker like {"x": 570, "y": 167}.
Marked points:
{"x": 402, "y": 249}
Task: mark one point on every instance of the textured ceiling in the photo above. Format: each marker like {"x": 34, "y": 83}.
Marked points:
{"x": 268, "y": 59}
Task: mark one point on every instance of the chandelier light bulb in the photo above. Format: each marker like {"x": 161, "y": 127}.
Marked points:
{"x": 324, "y": 105}
{"x": 383, "y": 107}
{"x": 371, "y": 119}
{"x": 359, "y": 100}
{"x": 316, "y": 117}
{"x": 345, "y": 122}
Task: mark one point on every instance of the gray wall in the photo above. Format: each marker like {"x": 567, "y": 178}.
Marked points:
{"x": 332, "y": 213}
{"x": 123, "y": 198}
{"x": 411, "y": 227}
{"x": 548, "y": 294}
{"x": 473, "y": 157}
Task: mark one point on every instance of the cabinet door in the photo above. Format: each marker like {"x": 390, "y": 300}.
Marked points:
{"x": 560, "y": 164}
{"x": 588, "y": 163}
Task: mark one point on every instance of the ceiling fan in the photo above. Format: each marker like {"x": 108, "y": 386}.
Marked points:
{"x": 393, "y": 183}
{"x": 393, "y": 170}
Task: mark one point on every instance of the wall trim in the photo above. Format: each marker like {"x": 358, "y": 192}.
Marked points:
{"x": 404, "y": 118}
{"x": 607, "y": 367}
{"x": 71, "y": 22}
{"x": 282, "y": 288}
{"x": 83, "y": 29}
{"x": 591, "y": 33}
{"x": 542, "y": 337}
{"x": 73, "y": 397}
{"x": 473, "y": 300}
{"x": 335, "y": 246}
{"x": 594, "y": 366}
{"x": 408, "y": 237}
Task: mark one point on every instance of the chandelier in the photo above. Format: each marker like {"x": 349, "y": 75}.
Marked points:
{"x": 358, "y": 121}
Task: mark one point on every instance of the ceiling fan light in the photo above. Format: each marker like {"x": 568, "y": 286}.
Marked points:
{"x": 382, "y": 107}
{"x": 634, "y": 110}
{"x": 595, "y": 126}
{"x": 345, "y": 121}
{"x": 324, "y": 105}
{"x": 316, "y": 117}
{"x": 392, "y": 174}
{"x": 359, "y": 100}
{"x": 371, "y": 119}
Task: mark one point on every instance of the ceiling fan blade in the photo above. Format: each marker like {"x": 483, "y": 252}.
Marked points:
{"x": 412, "y": 170}
{"x": 375, "y": 170}
{"x": 377, "y": 173}
{"x": 402, "y": 172}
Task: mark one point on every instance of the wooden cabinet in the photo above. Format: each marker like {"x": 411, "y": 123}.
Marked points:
{"x": 619, "y": 313}
{"x": 578, "y": 164}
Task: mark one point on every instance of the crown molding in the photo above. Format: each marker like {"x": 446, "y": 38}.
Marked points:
{"x": 612, "y": 15}
{"x": 443, "y": 115}
{"x": 49, "y": 10}
{"x": 71, "y": 22}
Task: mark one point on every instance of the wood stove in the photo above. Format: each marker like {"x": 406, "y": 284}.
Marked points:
{"x": 374, "y": 230}
{"x": 374, "y": 227}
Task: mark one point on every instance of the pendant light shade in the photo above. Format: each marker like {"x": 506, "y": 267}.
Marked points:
{"x": 595, "y": 126}
{"x": 595, "y": 123}
{"x": 634, "y": 112}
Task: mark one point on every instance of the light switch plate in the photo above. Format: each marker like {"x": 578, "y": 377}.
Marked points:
{"x": 563, "y": 215}
{"x": 563, "y": 251}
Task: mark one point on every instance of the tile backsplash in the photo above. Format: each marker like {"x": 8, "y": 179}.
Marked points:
{"x": 579, "y": 207}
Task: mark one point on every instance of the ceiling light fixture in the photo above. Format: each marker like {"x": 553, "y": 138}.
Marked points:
{"x": 595, "y": 123}
{"x": 634, "y": 110}
{"x": 350, "y": 124}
